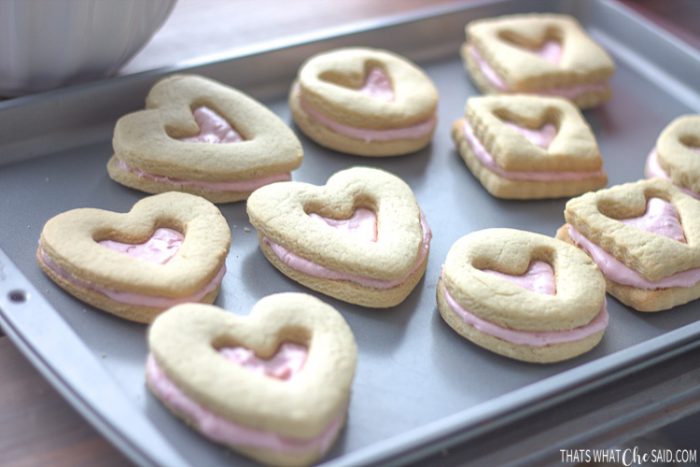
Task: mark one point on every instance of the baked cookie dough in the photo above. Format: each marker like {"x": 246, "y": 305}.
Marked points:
{"x": 367, "y": 102}
{"x": 676, "y": 156}
{"x": 169, "y": 249}
{"x": 548, "y": 54}
{"x": 360, "y": 238}
{"x": 202, "y": 137}
{"x": 523, "y": 295}
{"x": 273, "y": 385}
{"x": 645, "y": 237}
{"x": 528, "y": 147}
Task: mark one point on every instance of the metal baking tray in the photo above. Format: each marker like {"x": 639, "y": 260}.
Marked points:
{"x": 419, "y": 387}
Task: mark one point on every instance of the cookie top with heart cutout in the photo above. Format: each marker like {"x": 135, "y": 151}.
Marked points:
{"x": 282, "y": 213}
{"x": 678, "y": 151}
{"x": 530, "y": 52}
{"x": 367, "y": 88}
{"x": 613, "y": 220}
{"x": 485, "y": 272}
{"x": 200, "y": 136}
{"x": 533, "y": 133}
{"x": 187, "y": 343}
{"x": 91, "y": 245}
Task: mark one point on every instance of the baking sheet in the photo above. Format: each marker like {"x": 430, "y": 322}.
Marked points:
{"x": 418, "y": 384}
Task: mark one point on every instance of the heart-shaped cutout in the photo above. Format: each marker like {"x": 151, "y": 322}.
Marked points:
{"x": 159, "y": 149}
{"x": 660, "y": 218}
{"x": 523, "y": 295}
{"x": 539, "y": 277}
{"x": 600, "y": 217}
{"x": 542, "y": 136}
{"x": 277, "y": 421}
{"x": 213, "y": 128}
{"x": 548, "y": 48}
{"x": 134, "y": 265}
{"x": 284, "y": 365}
{"x": 379, "y": 271}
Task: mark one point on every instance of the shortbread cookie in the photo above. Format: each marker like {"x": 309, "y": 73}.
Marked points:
{"x": 645, "y": 237}
{"x": 528, "y": 147}
{"x": 274, "y": 385}
{"x": 169, "y": 249}
{"x": 676, "y": 156}
{"x": 360, "y": 238}
{"x": 367, "y": 102}
{"x": 523, "y": 295}
{"x": 545, "y": 54}
{"x": 201, "y": 137}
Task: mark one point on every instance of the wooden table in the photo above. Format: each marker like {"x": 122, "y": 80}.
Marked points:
{"x": 36, "y": 426}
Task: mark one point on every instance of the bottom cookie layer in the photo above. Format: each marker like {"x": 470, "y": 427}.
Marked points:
{"x": 348, "y": 291}
{"x": 140, "y": 314}
{"x": 139, "y": 182}
{"x": 545, "y": 354}
{"x": 502, "y": 187}
{"x": 645, "y": 300}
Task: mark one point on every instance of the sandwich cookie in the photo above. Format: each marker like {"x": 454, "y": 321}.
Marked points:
{"x": 274, "y": 385}
{"x": 201, "y": 137}
{"x": 367, "y": 102}
{"x": 546, "y": 54}
{"x": 676, "y": 156}
{"x": 645, "y": 237}
{"x": 523, "y": 295}
{"x": 528, "y": 147}
{"x": 360, "y": 238}
{"x": 169, "y": 249}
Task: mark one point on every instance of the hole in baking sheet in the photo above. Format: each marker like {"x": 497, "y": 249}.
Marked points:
{"x": 17, "y": 296}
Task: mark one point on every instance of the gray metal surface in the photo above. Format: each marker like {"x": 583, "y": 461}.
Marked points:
{"x": 419, "y": 386}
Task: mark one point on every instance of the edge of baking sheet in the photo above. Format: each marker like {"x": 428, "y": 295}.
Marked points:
{"x": 87, "y": 113}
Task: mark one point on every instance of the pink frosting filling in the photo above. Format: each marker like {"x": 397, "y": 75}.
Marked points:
{"x": 618, "y": 272}
{"x": 213, "y": 128}
{"x": 378, "y": 85}
{"x": 133, "y": 298}
{"x": 362, "y": 224}
{"x": 550, "y": 51}
{"x": 539, "y": 278}
{"x": 361, "y": 230}
{"x": 160, "y": 248}
{"x": 660, "y": 218}
{"x": 541, "y": 137}
{"x": 417, "y": 131}
{"x": 496, "y": 81}
{"x": 225, "y": 431}
{"x": 235, "y": 186}
{"x": 530, "y": 338}
{"x": 284, "y": 365}
{"x": 486, "y": 159}
{"x": 654, "y": 169}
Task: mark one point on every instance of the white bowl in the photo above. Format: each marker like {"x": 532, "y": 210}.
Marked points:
{"x": 46, "y": 44}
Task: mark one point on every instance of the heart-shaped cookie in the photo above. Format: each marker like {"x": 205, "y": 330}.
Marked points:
{"x": 290, "y": 420}
{"x": 546, "y": 54}
{"x": 367, "y": 102}
{"x": 648, "y": 263}
{"x": 523, "y": 295}
{"x": 676, "y": 156}
{"x": 201, "y": 137}
{"x": 527, "y": 147}
{"x": 377, "y": 268}
{"x": 169, "y": 249}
